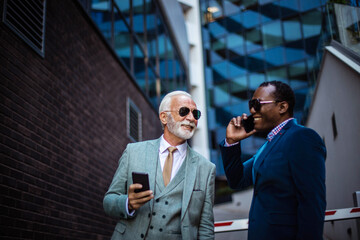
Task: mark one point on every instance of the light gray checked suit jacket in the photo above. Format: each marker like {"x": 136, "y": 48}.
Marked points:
{"x": 197, "y": 219}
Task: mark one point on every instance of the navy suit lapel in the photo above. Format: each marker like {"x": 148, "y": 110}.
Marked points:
{"x": 269, "y": 147}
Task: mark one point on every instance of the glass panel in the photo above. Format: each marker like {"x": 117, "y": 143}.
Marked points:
{"x": 122, "y": 40}
{"x": 238, "y": 89}
{"x": 217, "y": 29}
{"x": 309, "y": 4}
{"x": 221, "y": 94}
{"x": 218, "y": 50}
{"x": 255, "y": 62}
{"x": 292, "y": 29}
{"x": 288, "y": 7}
{"x": 234, "y": 23}
{"x": 298, "y": 75}
{"x": 101, "y": 14}
{"x": 269, "y": 12}
{"x": 138, "y": 19}
{"x": 251, "y": 18}
{"x": 255, "y": 80}
{"x": 151, "y": 31}
{"x": 247, "y": 3}
{"x": 253, "y": 40}
{"x": 139, "y": 67}
{"x": 214, "y": 10}
{"x": 236, "y": 67}
{"x": 124, "y": 7}
{"x": 311, "y": 24}
{"x": 295, "y": 51}
{"x": 272, "y": 34}
{"x": 278, "y": 74}
{"x": 275, "y": 56}
{"x": 219, "y": 71}
{"x": 231, "y": 6}
{"x": 152, "y": 87}
{"x": 235, "y": 45}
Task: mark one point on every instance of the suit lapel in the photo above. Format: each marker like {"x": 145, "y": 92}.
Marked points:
{"x": 151, "y": 162}
{"x": 190, "y": 177}
{"x": 270, "y": 146}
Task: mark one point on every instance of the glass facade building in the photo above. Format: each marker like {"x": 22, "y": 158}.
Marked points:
{"x": 138, "y": 34}
{"x": 247, "y": 42}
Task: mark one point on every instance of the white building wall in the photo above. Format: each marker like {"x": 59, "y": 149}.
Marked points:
{"x": 338, "y": 94}
{"x": 191, "y": 9}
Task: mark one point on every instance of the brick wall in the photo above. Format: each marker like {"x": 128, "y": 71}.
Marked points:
{"x": 62, "y": 128}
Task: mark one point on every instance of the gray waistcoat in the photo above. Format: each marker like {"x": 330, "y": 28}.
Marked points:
{"x": 165, "y": 218}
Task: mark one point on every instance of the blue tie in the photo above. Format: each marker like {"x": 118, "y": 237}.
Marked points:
{"x": 256, "y": 157}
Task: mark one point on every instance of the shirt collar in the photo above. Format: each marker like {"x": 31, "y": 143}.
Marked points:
{"x": 164, "y": 146}
{"x": 277, "y": 129}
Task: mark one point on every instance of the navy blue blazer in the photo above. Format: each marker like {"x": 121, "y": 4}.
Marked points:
{"x": 289, "y": 198}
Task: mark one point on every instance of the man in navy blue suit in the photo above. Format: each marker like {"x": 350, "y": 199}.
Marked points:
{"x": 287, "y": 172}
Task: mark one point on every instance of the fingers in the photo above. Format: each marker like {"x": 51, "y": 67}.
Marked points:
{"x": 136, "y": 200}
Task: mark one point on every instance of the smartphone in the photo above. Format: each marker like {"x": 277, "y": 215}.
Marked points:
{"x": 143, "y": 179}
{"x": 248, "y": 123}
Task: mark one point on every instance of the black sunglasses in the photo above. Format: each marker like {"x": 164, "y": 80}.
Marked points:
{"x": 184, "y": 111}
{"x": 256, "y": 104}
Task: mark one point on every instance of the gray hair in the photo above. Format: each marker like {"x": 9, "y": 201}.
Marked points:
{"x": 165, "y": 103}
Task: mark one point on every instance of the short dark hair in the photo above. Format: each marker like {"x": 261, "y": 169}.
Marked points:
{"x": 283, "y": 92}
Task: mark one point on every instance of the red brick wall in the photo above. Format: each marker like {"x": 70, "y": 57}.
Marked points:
{"x": 62, "y": 128}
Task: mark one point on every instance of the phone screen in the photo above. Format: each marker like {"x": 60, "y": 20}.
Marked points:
{"x": 143, "y": 179}
{"x": 248, "y": 123}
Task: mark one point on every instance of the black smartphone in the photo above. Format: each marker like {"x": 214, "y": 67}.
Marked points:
{"x": 143, "y": 179}
{"x": 248, "y": 123}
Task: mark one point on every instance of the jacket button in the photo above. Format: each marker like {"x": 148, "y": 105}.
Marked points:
{"x": 160, "y": 229}
{"x": 163, "y": 216}
{"x": 142, "y": 235}
{"x": 157, "y": 200}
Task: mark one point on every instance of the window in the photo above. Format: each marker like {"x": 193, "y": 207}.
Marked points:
{"x": 27, "y": 20}
{"x": 134, "y": 124}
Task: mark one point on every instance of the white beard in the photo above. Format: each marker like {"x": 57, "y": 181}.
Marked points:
{"x": 175, "y": 128}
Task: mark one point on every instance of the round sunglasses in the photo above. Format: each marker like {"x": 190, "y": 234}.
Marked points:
{"x": 184, "y": 111}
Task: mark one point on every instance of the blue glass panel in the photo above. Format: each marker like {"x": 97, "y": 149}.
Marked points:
{"x": 269, "y": 12}
{"x": 231, "y": 7}
{"x": 251, "y": 19}
{"x": 235, "y": 45}
{"x": 122, "y": 41}
{"x": 298, "y": 75}
{"x": 217, "y": 29}
{"x": 275, "y": 56}
{"x": 255, "y": 62}
{"x": 214, "y": 10}
{"x": 221, "y": 94}
{"x": 234, "y": 23}
{"x": 223, "y": 116}
{"x": 101, "y": 14}
{"x": 238, "y": 89}
{"x": 253, "y": 40}
{"x": 151, "y": 27}
{"x": 292, "y": 29}
{"x": 309, "y": 4}
{"x": 279, "y": 74}
{"x": 152, "y": 87}
{"x": 272, "y": 34}
{"x": 219, "y": 71}
{"x": 288, "y": 7}
{"x": 139, "y": 67}
{"x": 138, "y": 19}
{"x": 218, "y": 48}
{"x": 312, "y": 24}
{"x": 236, "y": 67}
{"x": 255, "y": 80}
{"x": 294, "y": 52}
{"x": 124, "y": 7}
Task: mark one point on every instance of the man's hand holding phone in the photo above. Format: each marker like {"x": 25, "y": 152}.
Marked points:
{"x": 139, "y": 192}
{"x": 239, "y": 128}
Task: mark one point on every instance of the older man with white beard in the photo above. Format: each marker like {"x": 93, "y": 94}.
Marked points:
{"x": 179, "y": 204}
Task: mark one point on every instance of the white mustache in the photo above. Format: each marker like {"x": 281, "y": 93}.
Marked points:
{"x": 187, "y": 123}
